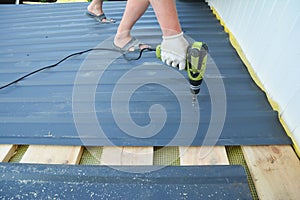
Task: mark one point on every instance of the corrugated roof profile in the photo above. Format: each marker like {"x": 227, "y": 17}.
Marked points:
{"x": 40, "y": 109}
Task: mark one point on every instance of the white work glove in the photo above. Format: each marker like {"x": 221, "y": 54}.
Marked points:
{"x": 173, "y": 50}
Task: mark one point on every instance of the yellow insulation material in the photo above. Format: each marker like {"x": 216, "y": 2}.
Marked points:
{"x": 254, "y": 76}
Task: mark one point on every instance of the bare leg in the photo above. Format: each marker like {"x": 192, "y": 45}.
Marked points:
{"x": 165, "y": 11}
{"x": 133, "y": 11}
{"x": 167, "y": 16}
{"x": 96, "y": 7}
{"x": 173, "y": 46}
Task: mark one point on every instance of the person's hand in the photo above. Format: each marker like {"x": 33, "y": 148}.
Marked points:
{"x": 173, "y": 50}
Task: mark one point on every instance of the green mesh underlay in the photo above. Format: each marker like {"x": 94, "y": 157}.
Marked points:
{"x": 166, "y": 156}
{"x": 91, "y": 156}
{"x": 20, "y": 151}
{"x": 236, "y": 157}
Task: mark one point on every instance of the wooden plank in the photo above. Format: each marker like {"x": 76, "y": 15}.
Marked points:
{"x": 7, "y": 151}
{"x": 275, "y": 171}
{"x": 127, "y": 156}
{"x": 204, "y": 155}
{"x": 52, "y": 154}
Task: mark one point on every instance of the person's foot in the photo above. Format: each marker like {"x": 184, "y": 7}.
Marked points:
{"x": 129, "y": 43}
{"x": 99, "y": 15}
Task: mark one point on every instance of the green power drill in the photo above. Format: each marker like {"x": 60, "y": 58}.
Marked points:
{"x": 195, "y": 64}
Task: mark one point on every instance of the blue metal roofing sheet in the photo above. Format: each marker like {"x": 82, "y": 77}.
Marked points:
{"x": 75, "y": 103}
{"x": 102, "y": 182}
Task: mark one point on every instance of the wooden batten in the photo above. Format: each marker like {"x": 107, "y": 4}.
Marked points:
{"x": 127, "y": 156}
{"x": 6, "y": 152}
{"x": 45, "y": 154}
{"x": 275, "y": 171}
{"x": 203, "y": 155}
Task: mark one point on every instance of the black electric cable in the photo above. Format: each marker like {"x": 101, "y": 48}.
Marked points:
{"x": 74, "y": 54}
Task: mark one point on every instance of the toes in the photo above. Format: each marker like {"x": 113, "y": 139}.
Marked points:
{"x": 143, "y": 46}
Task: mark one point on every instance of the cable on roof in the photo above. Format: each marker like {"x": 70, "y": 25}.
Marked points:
{"x": 74, "y": 54}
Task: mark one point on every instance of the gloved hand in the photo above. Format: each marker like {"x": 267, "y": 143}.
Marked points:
{"x": 173, "y": 50}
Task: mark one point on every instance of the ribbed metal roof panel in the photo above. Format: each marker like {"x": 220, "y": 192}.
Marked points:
{"x": 40, "y": 109}
{"x": 33, "y": 181}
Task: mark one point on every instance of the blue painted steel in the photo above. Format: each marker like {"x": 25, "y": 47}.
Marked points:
{"x": 31, "y": 181}
{"x": 38, "y": 110}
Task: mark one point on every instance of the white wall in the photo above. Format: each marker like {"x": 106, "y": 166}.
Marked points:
{"x": 268, "y": 32}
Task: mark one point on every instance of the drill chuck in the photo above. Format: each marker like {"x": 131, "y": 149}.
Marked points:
{"x": 195, "y": 64}
{"x": 195, "y": 86}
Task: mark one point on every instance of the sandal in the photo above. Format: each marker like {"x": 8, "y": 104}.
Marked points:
{"x": 100, "y": 18}
{"x": 132, "y": 46}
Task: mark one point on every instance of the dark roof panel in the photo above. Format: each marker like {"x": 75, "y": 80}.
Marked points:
{"x": 74, "y": 103}
{"x": 102, "y": 182}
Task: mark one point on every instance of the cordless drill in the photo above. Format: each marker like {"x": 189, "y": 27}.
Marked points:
{"x": 195, "y": 64}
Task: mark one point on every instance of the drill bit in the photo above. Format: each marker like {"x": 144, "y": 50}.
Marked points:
{"x": 194, "y": 100}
